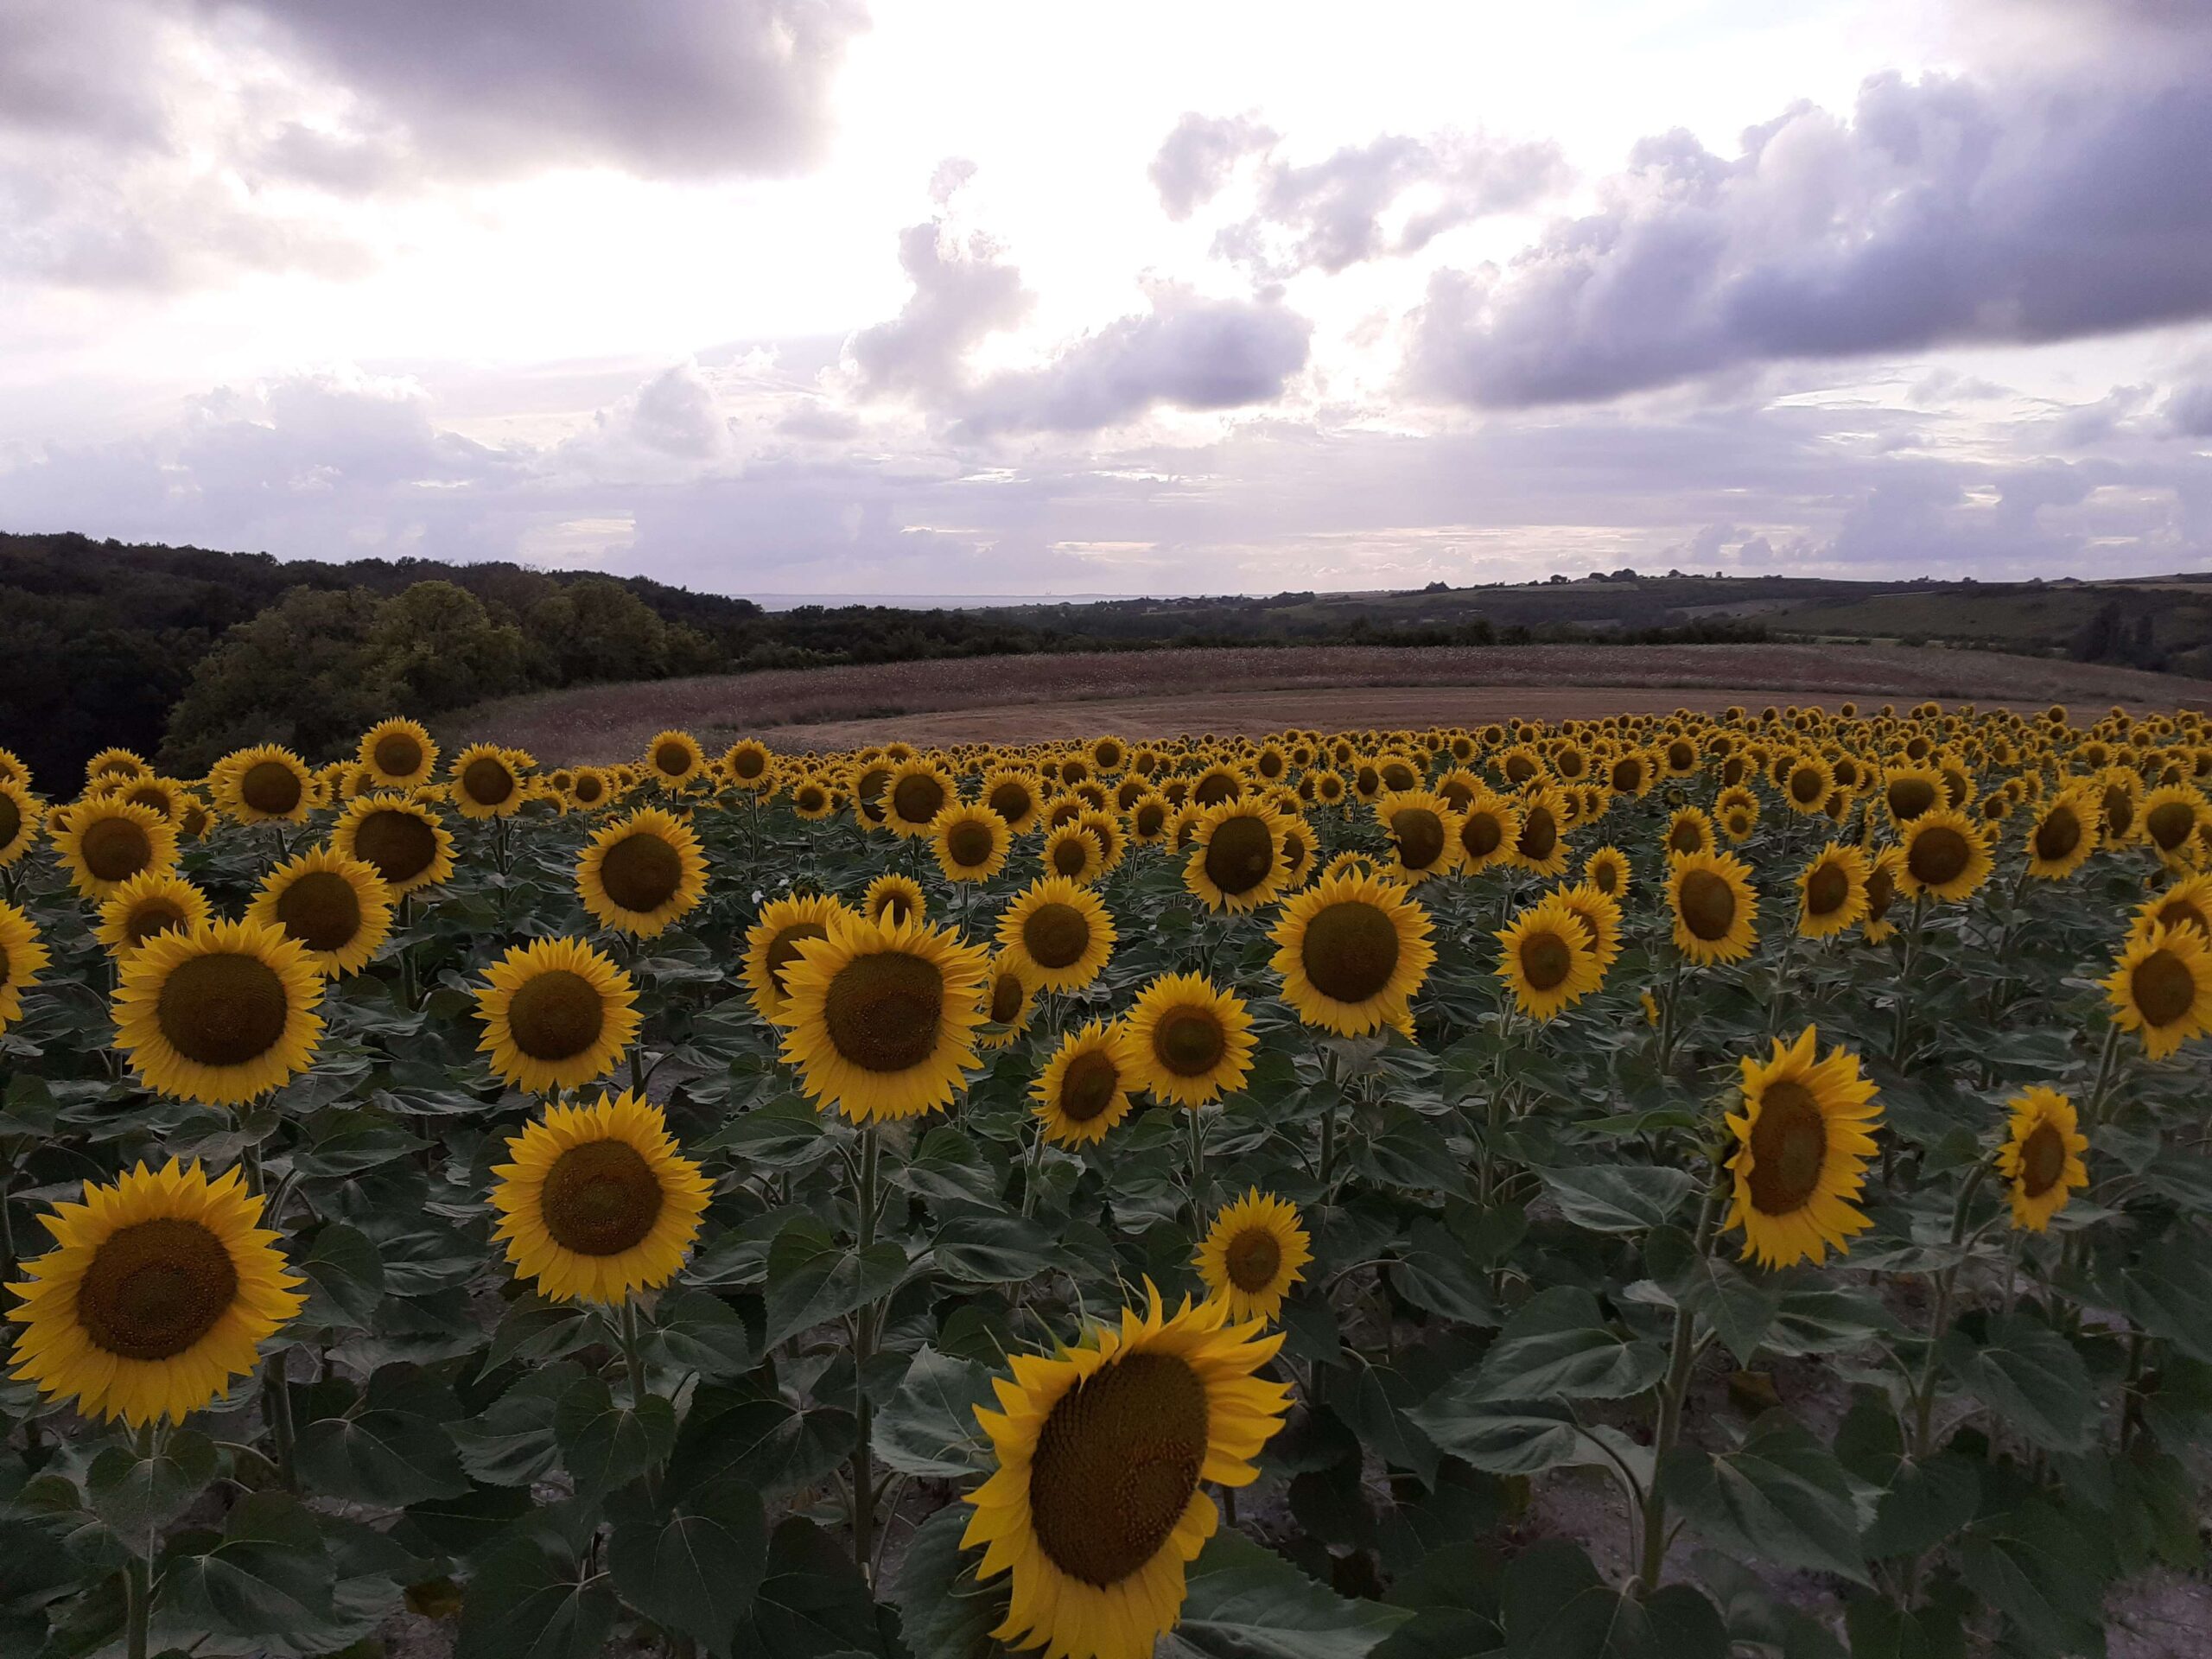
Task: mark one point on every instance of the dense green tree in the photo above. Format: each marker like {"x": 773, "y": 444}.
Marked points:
{"x": 302, "y": 673}
{"x": 437, "y": 646}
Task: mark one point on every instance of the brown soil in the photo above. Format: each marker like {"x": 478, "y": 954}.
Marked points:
{"x": 1158, "y": 693}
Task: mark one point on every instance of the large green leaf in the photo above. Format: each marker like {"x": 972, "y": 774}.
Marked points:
{"x": 2031, "y": 1378}
{"x": 812, "y": 1604}
{"x": 138, "y": 1496}
{"x": 1507, "y": 1438}
{"x": 1740, "y": 1305}
{"x": 982, "y": 1249}
{"x": 1618, "y": 1197}
{"x": 344, "y": 1276}
{"x": 812, "y": 1278}
{"x": 692, "y": 1565}
{"x": 1248, "y": 1603}
{"x": 1433, "y": 1273}
{"x": 930, "y": 1428}
{"x": 1557, "y": 1606}
{"x": 267, "y": 1575}
{"x": 510, "y": 1443}
{"x": 696, "y": 1330}
{"x": 606, "y": 1443}
{"x": 943, "y": 1612}
{"x": 388, "y": 1457}
{"x": 1559, "y": 1346}
{"x": 533, "y": 1598}
{"x": 1781, "y": 1496}
{"x": 763, "y": 1442}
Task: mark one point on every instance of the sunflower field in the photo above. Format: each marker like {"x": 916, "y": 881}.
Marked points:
{"x": 1648, "y": 1188}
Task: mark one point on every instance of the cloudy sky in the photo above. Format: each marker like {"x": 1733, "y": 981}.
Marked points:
{"x": 910, "y": 297}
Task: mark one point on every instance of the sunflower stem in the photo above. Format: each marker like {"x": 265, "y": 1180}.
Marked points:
{"x": 2094, "y": 1114}
{"x": 1923, "y": 1393}
{"x": 863, "y": 1351}
{"x": 276, "y": 1406}
{"x": 1681, "y": 1356}
{"x": 1901, "y": 1031}
{"x": 138, "y": 1607}
{"x": 1197, "y": 1148}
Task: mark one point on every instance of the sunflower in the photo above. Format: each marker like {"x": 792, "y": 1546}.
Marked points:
{"x": 772, "y": 942}
{"x": 1713, "y": 907}
{"x": 104, "y": 843}
{"x": 557, "y": 1014}
{"x": 337, "y": 909}
{"x": 880, "y": 1020}
{"x": 1012, "y": 795}
{"x": 1236, "y": 858}
{"x": 1075, "y": 854}
{"x": 2169, "y": 820}
{"x": 2064, "y": 834}
{"x": 220, "y": 1014}
{"x": 1096, "y": 1504}
{"x": 1329, "y": 787}
{"x": 1083, "y": 1090}
{"x": 398, "y": 754}
{"x": 1148, "y": 818}
{"x": 2163, "y": 987}
{"x": 20, "y": 813}
{"x": 1806, "y": 782}
{"x": 1607, "y": 870}
{"x": 114, "y": 765}
{"x": 971, "y": 841}
{"x": 1549, "y": 960}
{"x": 407, "y": 843}
{"x": 1910, "y": 791}
{"x": 1252, "y": 1254}
{"x": 1490, "y": 831}
{"x": 159, "y": 901}
{"x": 1945, "y": 855}
{"x": 1063, "y": 929}
{"x": 751, "y": 765}
{"x": 893, "y": 899}
{"x": 486, "y": 783}
{"x": 2042, "y": 1156}
{"x": 673, "y": 760}
{"x": 265, "y": 785}
{"x": 813, "y": 799}
{"x": 1832, "y": 891}
{"x": 916, "y": 791}
{"x": 1009, "y": 999}
{"x": 1689, "y": 830}
{"x": 1186, "y": 1041}
{"x": 1540, "y": 844}
{"x": 595, "y": 1203}
{"x": 638, "y": 874}
{"x": 1600, "y": 915}
{"x": 1424, "y": 832}
{"x": 1353, "y": 952}
{"x": 160, "y": 1289}
{"x": 22, "y": 955}
{"x": 1881, "y": 894}
{"x": 1804, "y": 1135}
{"x": 1298, "y": 841}
{"x": 2187, "y": 903}
{"x": 1106, "y": 829}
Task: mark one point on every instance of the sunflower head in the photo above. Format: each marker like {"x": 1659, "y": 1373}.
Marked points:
{"x": 1423, "y": 831}
{"x": 1235, "y": 861}
{"x": 405, "y": 842}
{"x": 219, "y": 1015}
{"x": 970, "y": 841}
{"x": 1012, "y": 793}
{"x": 22, "y": 956}
{"x": 1188, "y": 1042}
{"x": 1607, "y": 870}
{"x": 2064, "y": 834}
{"x": 894, "y": 898}
{"x": 1252, "y": 1254}
{"x": 915, "y": 792}
{"x": 1063, "y": 929}
{"x": 1945, "y": 855}
{"x": 335, "y": 908}
{"x": 1540, "y": 838}
{"x": 1714, "y": 907}
{"x": 20, "y": 814}
{"x": 1548, "y": 959}
{"x": 1083, "y": 1090}
{"x": 2041, "y": 1159}
{"x": 488, "y": 782}
{"x": 398, "y": 754}
{"x": 159, "y": 901}
{"x": 266, "y": 784}
{"x": 771, "y": 945}
{"x": 1804, "y": 1135}
{"x": 557, "y": 1014}
{"x": 641, "y": 873}
{"x": 1009, "y": 999}
{"x": 105, "y": 842}
{"x": 1353, "y": 952}
{"x": 750, "y": 765}
{"x": 2162, "y": 988}
{"x": 1489, "y": 832}
{"x": 1832, "y": 891}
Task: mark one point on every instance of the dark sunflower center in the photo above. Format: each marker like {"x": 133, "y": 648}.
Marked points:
{"x": 783, "y": 950}
{"x": 1350, "y": 950}
{"x": 970, "y": 844}
{"x": 1828, "y": 890}
{"x": 1519, "y": 768}
{"x": 1789, "y": 1144}
{"x": 11, "y": 819}
{"x": 1481, "y": 834}
{"x": 1606, "y": 877}
{"x": 556, "y": 1016}
{"x": 2163, "y": 988}
{"x": 1010, "y": 802}
{"x": 641, "y": 872}
{"x": 488, "y": 782}
{"x": 115, "y": 849}
{"x": 1189, "y": 1041}
{"x": 320, "y": 910}
{"x": 749, "y": 763}
{"x": 1628, "y": 777}
{"x": 1546, "y": 961}
{"x": 1910, "y": 797}
{"x": 918, "y": 799}
{"x": 1806, "y": 785}
{"x": 1539, "y": 832}
{"x": 672, "y": 759}
{"x": 1881, "y": 891}
{"x": 1055, "y": 935}
{"x": 222, "y": 1009}
{"x": 2171, "y": 823}
{"x": 400, "y": 845}
{"x": 1088, "y": 1085}
{"x": 587, "y": 789}
{"x": 1214, "y": 788}
{"x": 271, "y": 786}
{"x": 1005, "y": 999}
{"x": 1687, "y": 837}
{"x": 398, "y": 755}
{"x": 151, "y": 916}
{"x": 2042, "y": 1159}
{"x": 1708, "y": 904}
{"x": 1396, "y": 774}
{"x": 2058, "y": 835}
{"x": 810, "y": 798}
{"x": 155, "y": 1288}
{"x": 1253, "y": 1257}
{"x": 1071, "y": 856}
{"x": 1151, "y": 816}
{"x": 2120, "y": 809}
{"x": 1115, "y": 1465}
{"x": 1419, "y": 835}
{"x": 1938, "y": 854}
{"x": 600, "y": 1198}
{"x": 892, "y": 905}
{"x": 1681, "y": 756}
{"x": 882, "y": 1011}
{"x": 4, "y": 969}
{"x": 2175, "y": 913}
{"x": 1239, "y": 854}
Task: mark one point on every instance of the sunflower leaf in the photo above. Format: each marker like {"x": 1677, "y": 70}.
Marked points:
{"x": 604, "y": 1443}
{"x": 1558, "y": 1346}
{"x": 137, "y": 1496}
{"x": 1245, "y": 1602}
{"x": 2028, "y": 1375}
{"x": 694, "y": 1565}
{"x": 930, "y": 1428}
{"x": 1618, "y": 1197}
{"x": 813, "y": 1279}
{"x": 1781, "y": 1496}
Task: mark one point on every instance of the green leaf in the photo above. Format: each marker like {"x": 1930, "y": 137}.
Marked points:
{"x": 511, "y": 1443}
{"x": 698, "y": 1330}
{"x": 1740, "y": 1306}
{"x": 1618, "y": 1197}
{"x": 943, "y": 1612}
{"x": 532, "y": 1599}
{"x": 696, "y": 1565}
{"x": 1923, "y": 1505}
{"x": 606, "y": 1444}
{"x": 1781, "y": 1496}
{"x": 2028, "y": 1375}
{"x": 137, "y": 1496}
{"x": 982, "y": 1249}
{"x": 1435, "y": 1275}
{"x": 1824, "y": 1319}
{"x": 947, "y": 1167}
{"x": 2039, "y": 1567}
{"x": 268, "y": 1575}
{"x": 813, "y": 1604}
{"x": 765, "y": 1443}
{"x": 1507, "y": 1439}
{"x": 535, "y": 1329}
{"x": 813, "y": 1279}
{"x": 1559, "y": 1346}
{"x": 1248, "y": 1603}
{"x": 930, "y": 1428}
{"x": 344, "y": 1276}
{"x": 388, "y": 1457}
{"x": 1557, "y": 1606}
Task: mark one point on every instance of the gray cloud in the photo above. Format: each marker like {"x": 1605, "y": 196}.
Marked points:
{"x": 1943, "y": 212}
{"x": 962, "y": 296}
{"x": 1195, "y": 160}
{"x": 2188, "y": 408}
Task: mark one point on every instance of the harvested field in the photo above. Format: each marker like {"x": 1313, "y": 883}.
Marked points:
{"x": 1146, "y": 694}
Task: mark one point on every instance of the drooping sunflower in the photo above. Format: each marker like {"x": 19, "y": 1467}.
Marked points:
{"x": 1236, "y": 859}
{"x": 557, "y": 1014}
{"x": 1945, "y": 855}
{"x": 159, "y": 901}
{"x": 1252, "y": 1254}
{"x": 894, "y": 898}
{"x": 1547, "y": 958}
{"x": 20, "y": 814}
{"x": 1009, "y": 999}
{"x": 2041, "y": 1159}
{"x": 1096, "y": 1504}
{"x": 1064, "y": 929}
{"x": 2162, "y": 988}
{"x": 160, "y": 1289}
{"x": 398, "y": 754}
{"x": 1083, "y": 1090}
{"x": 1607, "y": 870}
{"x": 970, "y": 841}
{"x": 265, "y": 785}
{"x": 1803, "y": 1137}
{"x": 405, "y": 841}
{"x": 772, "y": 942}
{"x": 1073, "y": 851}
{"x": 1710, "y": 897}
{"x": 1424, "y": 832}
{"x": 337, "y": 909}
{"x": 104, "y": 843}
{"x": 641, "y": 873}
{"x": 595, "y": 1201}
{"x": 1186, "y": 1042}
{"x": 1490, "y": 831}
{"x": 22, "y": 956}
{"x": 1353, "y": 952}
{"x": 220, "y": 1014}
{"x": 1832, "y": 891}
{"x": 2064, "y": 834}
{"x": 880, "y": 1020}
{"x": 751, "y": 765}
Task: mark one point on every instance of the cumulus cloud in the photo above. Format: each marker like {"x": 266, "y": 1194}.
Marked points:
{"x": 1195, "y": 161}
{"x": 2188, "y": 408}
{"x": 1943, "y": 211}
{"x": 963, "y": 294}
